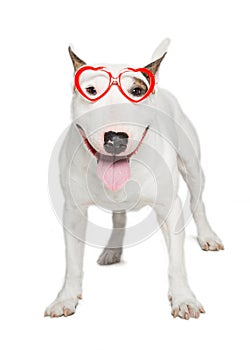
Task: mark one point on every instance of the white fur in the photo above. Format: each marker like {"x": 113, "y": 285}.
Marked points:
{"x": 184, "y": 303}
{"x": 161, "y": 49}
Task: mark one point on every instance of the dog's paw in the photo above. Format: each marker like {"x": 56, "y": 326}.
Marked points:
{"x": 210, "y": 242}
{"x": 186, "y": 307}
{"x": 62, "y": 307}
{"x": 110, "y": 256}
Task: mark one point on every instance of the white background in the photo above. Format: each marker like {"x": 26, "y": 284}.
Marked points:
{"x": 124, "y": 306}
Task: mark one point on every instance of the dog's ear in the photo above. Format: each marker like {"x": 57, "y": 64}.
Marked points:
{"x": 154, "y": 66}
{"x": 158, "y": 55}
{"x": 77, "y": 62}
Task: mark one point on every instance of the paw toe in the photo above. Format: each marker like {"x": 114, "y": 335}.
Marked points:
{"x": 187, "y": 309}
{"x": 211, "y": 243}
{"x": 61, "y": 308}
{"x": 68, "y": 312}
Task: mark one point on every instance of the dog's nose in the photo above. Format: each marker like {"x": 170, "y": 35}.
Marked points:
{"x": 115, "y": 142}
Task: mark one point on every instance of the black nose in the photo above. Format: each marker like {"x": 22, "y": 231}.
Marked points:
{"x": 115, "y": 142}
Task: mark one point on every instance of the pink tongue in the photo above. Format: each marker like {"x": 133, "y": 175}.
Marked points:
{"x": 114, "y": 175}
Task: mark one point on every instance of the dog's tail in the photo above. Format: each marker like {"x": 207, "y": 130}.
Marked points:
{"x": 161, "y": 49}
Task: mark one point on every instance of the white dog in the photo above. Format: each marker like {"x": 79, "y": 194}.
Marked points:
{"x": 117, "y": 112}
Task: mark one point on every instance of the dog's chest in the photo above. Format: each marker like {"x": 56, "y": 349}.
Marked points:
{"x": 137, "y": 192}
{"x": 146, "y": 186}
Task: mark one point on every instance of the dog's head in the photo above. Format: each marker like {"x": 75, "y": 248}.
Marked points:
{"x": 99, "y": 98}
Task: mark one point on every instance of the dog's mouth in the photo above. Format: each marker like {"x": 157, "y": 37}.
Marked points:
{"x": 113, "y": 170}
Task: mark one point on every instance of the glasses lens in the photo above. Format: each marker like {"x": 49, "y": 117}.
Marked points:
{"x": 135, "y": 84}
{"x": 94, "y": 83}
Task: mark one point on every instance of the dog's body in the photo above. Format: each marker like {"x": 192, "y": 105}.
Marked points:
{"x": 85, "y": 188}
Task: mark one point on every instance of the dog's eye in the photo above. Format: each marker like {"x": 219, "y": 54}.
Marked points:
{"x": 136, "y": 91}
{"x": 91, "y": 90}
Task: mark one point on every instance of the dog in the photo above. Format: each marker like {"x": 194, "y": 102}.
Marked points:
{"x": 121, "y": 114}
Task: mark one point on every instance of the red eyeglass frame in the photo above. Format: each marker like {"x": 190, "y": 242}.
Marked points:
{"x": 114, "y": 81}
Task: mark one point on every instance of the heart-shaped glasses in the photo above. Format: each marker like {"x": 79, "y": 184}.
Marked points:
{"x": 94, "y": 82}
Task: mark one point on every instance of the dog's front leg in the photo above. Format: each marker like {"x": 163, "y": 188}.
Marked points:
{"x": 193, "y": 175}
{"x": 74, "y": 222}
{"x": 183, "y": 301}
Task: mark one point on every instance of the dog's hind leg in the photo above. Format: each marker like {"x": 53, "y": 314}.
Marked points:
{"x": 113, "y": 251}
{"x": 74, "y": 222}
{"x": 194, "y": 178}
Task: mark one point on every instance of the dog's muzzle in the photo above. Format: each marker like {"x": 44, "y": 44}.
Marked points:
{"x": 113, "y": 169}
